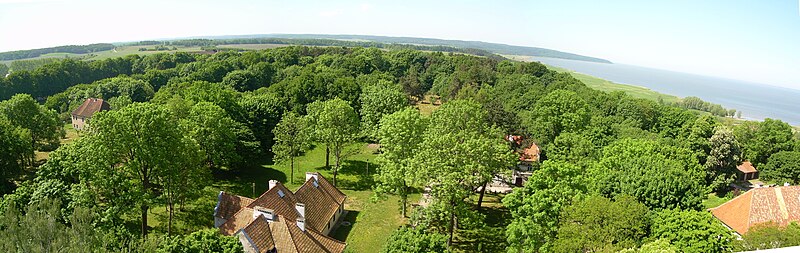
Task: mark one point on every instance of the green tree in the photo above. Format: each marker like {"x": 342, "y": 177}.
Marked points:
{"x": 206, "y": 240}
{"x": 535, "y": 208}
{"x": 459, "y": 154}
{"x": 559, "y": 111}
{"x": 598, "y": 224}
{"x": 769, "y": 236}
{"x": 723, "y": 158}
{"x": 400, "y": 135}
{"x": 40, "y": 229}
{"x": 783, "y": 167}
{"x": 377, "y": 100}
{"x": 291, "y": 139}
{"x": 15, "y": 151}
{"x": 691, "y": 231}
{"x": 43, "y": 124}
{"x": 657, "y": 246}
{"x": 658, "y": 175}
{"x": 415, "y": 240}
{"x": 214, "y": 131}
{"x": 335, "y": 124}
{"x": 129, "y": 149}
{"x": 761, "y": 140}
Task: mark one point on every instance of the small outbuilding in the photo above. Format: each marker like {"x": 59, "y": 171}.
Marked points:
{"x": 746, "y": 171}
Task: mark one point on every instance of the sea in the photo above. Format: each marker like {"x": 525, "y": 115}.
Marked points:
{"x": 755, "y": 101}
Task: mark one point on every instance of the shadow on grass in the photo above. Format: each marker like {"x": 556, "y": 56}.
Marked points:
{"x": 358, "y": 177}
{"x": 239, "y": 179}
{"x": 342, "y": 232}
{"x": 491, "y": 237}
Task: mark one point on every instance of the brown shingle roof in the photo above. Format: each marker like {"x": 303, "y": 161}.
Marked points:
{"x": 776, "y": 204}
{"x": 283, "y": 235}
{"x": 530, "y": 154}
{"x": 90, "y": 107}
{"x": 229, "y": 204}
{"x": 281, "y": 205}
{"x": 746, "y": 167}
{"x": 321, "y": 205}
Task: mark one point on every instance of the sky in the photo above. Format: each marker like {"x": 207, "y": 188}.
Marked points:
{"x": 750, "y": 40}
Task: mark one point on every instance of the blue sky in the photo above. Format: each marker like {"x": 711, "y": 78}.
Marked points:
{"x": 748, "y": 40}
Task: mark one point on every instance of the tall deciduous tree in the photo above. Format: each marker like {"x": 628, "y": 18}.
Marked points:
{"x": 459, "y": 154}
{"x": 723, "y": 158}
{"x": 42, "y": 123}
{"x": 130, "y": 149}
{"x": 535, "y": 208}
{"x": 761, "y": 140}
{"x": 691, "y": 231}
{"x": 377, "y": 100}
{"x": 15, "y": 151}
{"x": 783, "y": 167}
{"x": 598, "y": 224}
{"x": 213, "y": 130}
{"x": 335, "y": 124}
{"x": 561, "y": 110}
{"x": 291, "y": 139}
{"x": 400, "y": 134}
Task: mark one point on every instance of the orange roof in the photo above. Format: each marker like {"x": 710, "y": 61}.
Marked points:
{"x": 90, "y": 107}
{"x": 746, "y": 167}
{"x": 229, "y": 204}
{"x": 530, "y": 154}
{"x": 780, "y": 205}
{"x": 282, "y": 235}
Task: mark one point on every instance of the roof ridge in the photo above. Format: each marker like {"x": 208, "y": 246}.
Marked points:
{"x": 781, "y": 203}
{"x": 288, "y": 229}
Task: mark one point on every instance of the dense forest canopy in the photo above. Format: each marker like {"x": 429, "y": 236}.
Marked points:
{"x": 617, "y": 173}
{"x": 73, "y": 49}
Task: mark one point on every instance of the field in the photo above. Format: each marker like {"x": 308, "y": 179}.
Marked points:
{"x": 253, "y": 46}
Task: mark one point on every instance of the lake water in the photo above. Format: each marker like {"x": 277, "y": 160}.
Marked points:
{"x": 755, "y": 101}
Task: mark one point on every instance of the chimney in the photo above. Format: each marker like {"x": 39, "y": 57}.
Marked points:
{"x": 310, "y": 175}
{"x": 785, "y": 183}
{"x": 269, "y": 214}
{"x": 301, "y": 209}
{"x": 272, "y": 183}
{"x": 301, "y": 223}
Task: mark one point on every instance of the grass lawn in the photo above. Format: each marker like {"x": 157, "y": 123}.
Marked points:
{"x": 714, "y": 201}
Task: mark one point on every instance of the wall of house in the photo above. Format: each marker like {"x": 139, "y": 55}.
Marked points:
{"x": 246, "y": 243}
{"x": 219, "y": 221}
{"x": 78, "y": 122}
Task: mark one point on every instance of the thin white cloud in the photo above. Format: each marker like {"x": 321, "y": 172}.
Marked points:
{"x": 330, "y": 13}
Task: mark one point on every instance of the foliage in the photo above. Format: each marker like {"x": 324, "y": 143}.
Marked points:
{"x": 42, "y": 124}
{"x": 535, "y": 208}
{"x": 400, "y": 136}
{"x": 378, "y": 100}
{"x": 658, "y": 175}
{"x": 559, "y": 111}
{"x": 206, "y": 240}
{"x": 15, "y": 151}
{"x": 41, "y": 229}
{"x": 657, "y": 246}
{"x": 724, "y": 156}
{"x": 598, "y": 224}
{"x": 783, "y": 167}
{"x": 292, "y": 137}
{"x": 212, "y": 129}
{"x": 335, "y": 124}
{"x": 408, "y": 239}
{"x": 761, "y": 140}
{"x": 769, "y": 236}
{"x": 691, "y": 231}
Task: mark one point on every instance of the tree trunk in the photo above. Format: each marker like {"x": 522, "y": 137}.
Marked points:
{"x": 327, "y": 156}
{"x": 171, "y": 214}
{"x": 483, "y": 191}
{"x": 145, "y": 208}
{"x": 336, "y": 170}
{"x": 291, "y": 179}
{"x": 144, "y": 220}
{"x": 404, "y": 198}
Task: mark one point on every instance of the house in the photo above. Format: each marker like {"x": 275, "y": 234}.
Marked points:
{"x": 284, "y": 221}
{"x": 87, "y": 110}
{"x": 528, "y": 155}
{"x": 780, "y": 205}
{"x": 746, "y": 171}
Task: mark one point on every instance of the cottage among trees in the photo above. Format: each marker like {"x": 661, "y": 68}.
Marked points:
{"x": 87, "y": 110}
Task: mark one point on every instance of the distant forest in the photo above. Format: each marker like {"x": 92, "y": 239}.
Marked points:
{"x": 73, "y": 49}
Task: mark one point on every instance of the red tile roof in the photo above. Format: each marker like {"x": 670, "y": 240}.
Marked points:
{"x": 90, "y": 107}
{"x": 776, "y": 204}
{"x": 530, "y": 154}
{"x": 283, "y": 235}
{"x": 746, "y": 167}
{"x": 229, "y": 204}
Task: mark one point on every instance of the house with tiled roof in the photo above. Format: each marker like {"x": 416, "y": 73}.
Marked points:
{"x": 780, "y": 205}
{"x": 284, "y": 221}
{"x": 85, "y": 112}
{"x": 746, "y": 171}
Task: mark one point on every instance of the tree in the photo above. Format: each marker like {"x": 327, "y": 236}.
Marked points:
{"x": 129, "y": 149}
{"x": 15, "y": 151}
{"x": 761, "y": 140}
{"x": 400, "y": 135}
{"x": 656, "y": 174}
{"x": 377, "y": 100}
{"x": 598, "y": 224}
{"x": 206, "y": 240}
{"x": 335, "y": 124}
{"x": 43, "y": 124}
{"x": 535, "y": 208}
{"x": 415, "y": 240}
{"x": 691, "y": 231}
{"x": 561, "y": 110}
{"x": 783, "y": 167}
{"x": 40, "y": 229}
{"x": 459, "y": 154}
{"x": 657, "y": 246}
{"x": 723, "y": 158}
{"x": 214, "y": 131}
{"x": 769, "y": 236}
{"x": 291, "y": 139}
